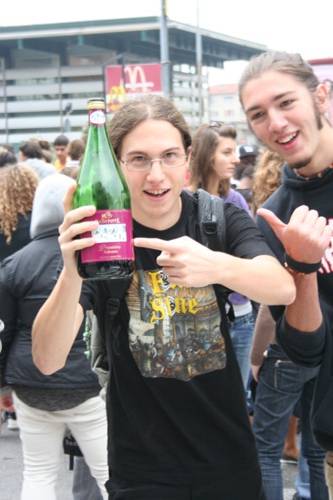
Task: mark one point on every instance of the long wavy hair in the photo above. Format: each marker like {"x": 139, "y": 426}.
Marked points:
{"x": 205, "y": 142}
{"x": 267, "y": 177}
{"x": 18, "y": 184}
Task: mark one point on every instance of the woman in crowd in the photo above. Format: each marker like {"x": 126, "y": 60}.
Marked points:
{"x": 47, "y": 404}
{"x": 213, "y": 163}
{"x": 17, "y": 188}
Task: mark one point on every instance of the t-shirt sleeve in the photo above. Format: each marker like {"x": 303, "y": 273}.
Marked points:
{"x": 243, "y": 237}
{"x": 304, "y": 348}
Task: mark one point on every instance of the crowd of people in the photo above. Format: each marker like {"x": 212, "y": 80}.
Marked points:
{"x": 251, "y": 367}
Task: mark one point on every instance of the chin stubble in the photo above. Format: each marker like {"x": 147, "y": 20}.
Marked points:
{"x": 300, "y": 164}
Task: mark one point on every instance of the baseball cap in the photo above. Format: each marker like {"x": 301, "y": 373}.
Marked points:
{"x": 247, "y": 150}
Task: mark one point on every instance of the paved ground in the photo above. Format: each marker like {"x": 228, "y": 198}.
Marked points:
{"x": 11, "y": 471}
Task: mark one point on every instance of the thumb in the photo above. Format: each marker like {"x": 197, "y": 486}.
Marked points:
{"x": 273, "y": 221}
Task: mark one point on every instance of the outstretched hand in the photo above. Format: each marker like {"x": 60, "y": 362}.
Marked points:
{"x": 306, "y": 236}
{"x": 186, "y": 262}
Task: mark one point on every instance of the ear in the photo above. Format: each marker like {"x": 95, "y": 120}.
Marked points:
{"x": 188, "y": 174}
{"x": 321, "y": 96}
{"x": 189, "y": 153}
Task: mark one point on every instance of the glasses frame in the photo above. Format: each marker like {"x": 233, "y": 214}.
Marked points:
{"x": 151, "y": 161}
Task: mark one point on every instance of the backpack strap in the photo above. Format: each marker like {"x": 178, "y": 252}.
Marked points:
{"x": 212, "y": 232}
{"x": 211, "y": 220}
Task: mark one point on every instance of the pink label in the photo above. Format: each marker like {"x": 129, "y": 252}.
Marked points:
{"x": 113, "y": 237}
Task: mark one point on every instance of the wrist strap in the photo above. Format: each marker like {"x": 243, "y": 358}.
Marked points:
{"x": 301, "y": 267}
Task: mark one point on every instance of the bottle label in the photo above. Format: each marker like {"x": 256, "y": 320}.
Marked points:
{"x": 97, "y": 117}
{"x": 113, "y": 237}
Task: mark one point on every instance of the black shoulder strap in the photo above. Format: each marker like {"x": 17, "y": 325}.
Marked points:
{"x": 211, "y": 220}
{"x": 212, "y": 230}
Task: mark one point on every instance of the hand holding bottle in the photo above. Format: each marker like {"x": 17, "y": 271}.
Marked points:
{"x": 72, "y": 226}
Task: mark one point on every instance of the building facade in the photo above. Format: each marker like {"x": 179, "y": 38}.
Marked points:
{"x": 47, "y": 72}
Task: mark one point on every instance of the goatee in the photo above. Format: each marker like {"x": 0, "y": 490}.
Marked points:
{"x": 300, "y": 164}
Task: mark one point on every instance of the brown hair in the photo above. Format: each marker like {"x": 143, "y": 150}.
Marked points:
{"x": 205, "y": 142}
{"x": 76, "y": 149}
{"x": 134, "y": 112}
{"x": 283, "y": 62}
{"x": 18, "y": 184}
{"x": 267, "y": 177}
{"x": 7, "y": 157}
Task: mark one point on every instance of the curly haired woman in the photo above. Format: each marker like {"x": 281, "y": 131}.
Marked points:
{"x": 17, "y": 188}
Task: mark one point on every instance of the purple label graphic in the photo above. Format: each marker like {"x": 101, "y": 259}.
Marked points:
{"x": 113, "y": 237}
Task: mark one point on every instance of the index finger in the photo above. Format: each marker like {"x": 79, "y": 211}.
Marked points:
{"x": 154, "y": 244}
{"x": 299, "y": 214}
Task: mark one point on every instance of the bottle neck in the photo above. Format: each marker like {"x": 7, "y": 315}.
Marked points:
{"x": 96, "y": 117}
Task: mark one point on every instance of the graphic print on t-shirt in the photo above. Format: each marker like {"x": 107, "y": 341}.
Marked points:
{"x": 174, "y": 331}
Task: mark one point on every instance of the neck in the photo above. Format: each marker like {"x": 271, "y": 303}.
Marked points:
{"x": 213, "y": 185}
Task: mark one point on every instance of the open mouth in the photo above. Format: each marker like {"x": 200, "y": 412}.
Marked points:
{"x": 288, "y": 139}
{"x": 156, "y": 193}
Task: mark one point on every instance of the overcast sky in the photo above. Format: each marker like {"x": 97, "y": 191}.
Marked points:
{"x": 293, "y": 25}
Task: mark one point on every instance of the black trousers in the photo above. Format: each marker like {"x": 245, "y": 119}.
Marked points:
{"x": 217, "y": 489}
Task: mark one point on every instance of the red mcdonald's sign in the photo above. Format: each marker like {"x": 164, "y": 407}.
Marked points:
{"x": 130, "y": 80}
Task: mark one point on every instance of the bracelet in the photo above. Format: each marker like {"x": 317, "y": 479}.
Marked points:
{"x": 300, "y": 267}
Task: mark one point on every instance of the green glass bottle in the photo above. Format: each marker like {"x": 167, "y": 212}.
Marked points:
{"x": 102, "y": 184}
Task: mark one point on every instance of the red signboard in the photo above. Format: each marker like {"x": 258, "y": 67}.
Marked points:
{"x": 130, "y": 81}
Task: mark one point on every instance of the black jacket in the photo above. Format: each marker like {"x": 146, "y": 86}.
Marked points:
{"x": 304, "y": 348}
{"x": 20, "y": 237}
{"x": 26, "y": 279}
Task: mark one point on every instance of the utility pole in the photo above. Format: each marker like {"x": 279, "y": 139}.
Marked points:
{"x": 164, "y": 42}
{"x": 5, "y": 100}
{"x": 198, "y": 51}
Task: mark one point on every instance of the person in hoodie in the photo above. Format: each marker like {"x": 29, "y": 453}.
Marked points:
{"x": 47, "y": 405}
{"x": 286, "y": 108}
{"x": 31, "y": 153}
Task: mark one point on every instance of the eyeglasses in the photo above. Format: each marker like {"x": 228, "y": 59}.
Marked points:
{"x": 140, "y": 163}
{"x": 216, "y": 124}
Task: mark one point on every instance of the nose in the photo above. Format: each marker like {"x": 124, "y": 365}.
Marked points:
{"x": 235, "y": 159}
{"x": 156, "y": 172}
{"x": 277, "y": 121}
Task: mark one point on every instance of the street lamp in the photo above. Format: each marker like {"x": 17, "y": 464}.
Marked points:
{"x": 66, "y": 112}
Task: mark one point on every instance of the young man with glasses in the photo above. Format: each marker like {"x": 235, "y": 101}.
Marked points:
{"x": 178, "y": 422}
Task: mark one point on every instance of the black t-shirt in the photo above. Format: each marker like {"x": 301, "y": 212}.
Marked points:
{"x": 176, "y": 401}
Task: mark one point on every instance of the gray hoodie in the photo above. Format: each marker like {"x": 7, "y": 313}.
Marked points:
{"x": 41, "y": 167}
{"x": 48, "y": 209}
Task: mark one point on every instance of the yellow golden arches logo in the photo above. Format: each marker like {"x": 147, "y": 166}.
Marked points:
{"x": 116, "y": 97}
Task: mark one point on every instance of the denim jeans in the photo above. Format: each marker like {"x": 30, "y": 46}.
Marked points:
{"x": 281, "y": 385}
{"x": 241, "y": 332}
{"x": 302, "y": 483}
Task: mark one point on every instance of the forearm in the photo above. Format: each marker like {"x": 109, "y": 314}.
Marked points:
{"x": 304, "y": 313}
{"x": 261, "y": 279}
{"x": 264, "y": 334}
{"x": 57, "y": 323}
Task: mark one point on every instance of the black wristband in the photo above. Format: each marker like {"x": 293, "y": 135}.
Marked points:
{"x": 301, "y": 267}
